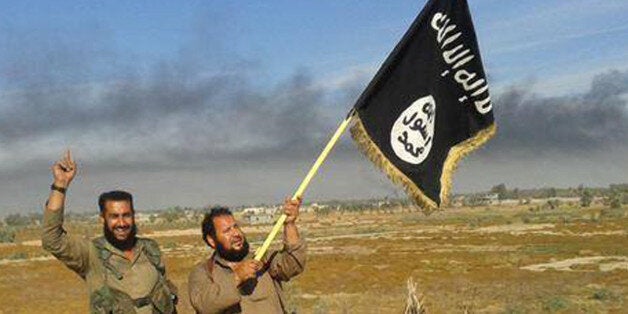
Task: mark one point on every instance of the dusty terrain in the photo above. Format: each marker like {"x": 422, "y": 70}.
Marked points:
{"x": 482, "y": 260}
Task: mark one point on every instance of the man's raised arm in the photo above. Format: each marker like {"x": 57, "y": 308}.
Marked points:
{"x": 70, "y": 250}
{"x": 291, "y": 259}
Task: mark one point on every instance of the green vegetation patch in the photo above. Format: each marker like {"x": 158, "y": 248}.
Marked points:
{"x": 555, "y": 304}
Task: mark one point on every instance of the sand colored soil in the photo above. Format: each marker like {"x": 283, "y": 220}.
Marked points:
{"x": 480, "y": 260}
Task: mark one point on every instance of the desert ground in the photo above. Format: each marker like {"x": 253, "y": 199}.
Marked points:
{"x": 497, "y": 259}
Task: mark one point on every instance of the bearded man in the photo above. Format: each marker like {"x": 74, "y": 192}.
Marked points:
{"x": 231, "y": 281}
{"x": 124, "y": 273}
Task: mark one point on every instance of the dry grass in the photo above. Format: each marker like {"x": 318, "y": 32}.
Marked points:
{"x": 414, "y": 302}
{"x": 462, "y": 260}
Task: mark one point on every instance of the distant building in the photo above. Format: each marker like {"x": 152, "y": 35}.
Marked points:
{"x": 313, "y": 208}
{"x": 260, "y": 210}
{"x": 489, "y": 199}
{"x": 458, "y": 200}
{"x": 510, "y": 202}
{"x": 257, "y": 218}
{"x": 478, "y": 199}
{"x": 142, "y": 217}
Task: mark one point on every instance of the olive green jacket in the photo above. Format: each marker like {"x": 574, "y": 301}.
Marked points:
{"x": 136, "y": 286}
{"x": 212, "y": 286}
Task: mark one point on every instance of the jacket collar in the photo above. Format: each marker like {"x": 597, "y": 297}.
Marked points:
{"x": 114, "y": 250}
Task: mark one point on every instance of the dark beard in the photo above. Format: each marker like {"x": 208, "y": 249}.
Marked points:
{"x": 233, "y": 255}
{"x": 125, "y": 245}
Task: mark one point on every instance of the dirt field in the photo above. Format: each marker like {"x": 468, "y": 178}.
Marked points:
{"x": 481, "y": 260}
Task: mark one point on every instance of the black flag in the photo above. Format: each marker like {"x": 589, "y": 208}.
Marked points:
{"x": 428, "y": 105}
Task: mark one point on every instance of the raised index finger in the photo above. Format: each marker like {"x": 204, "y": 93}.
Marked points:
{"x": 70, "y": 159}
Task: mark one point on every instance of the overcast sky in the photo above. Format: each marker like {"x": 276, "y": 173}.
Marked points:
{"x": 229, "y": 102}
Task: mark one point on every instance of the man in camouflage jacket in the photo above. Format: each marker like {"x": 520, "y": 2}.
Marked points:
{"x": 124, "y": 273}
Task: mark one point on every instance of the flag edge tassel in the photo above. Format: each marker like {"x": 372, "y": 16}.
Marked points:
{"x": 374, "y": 154}
{"x": 456, "y": 153}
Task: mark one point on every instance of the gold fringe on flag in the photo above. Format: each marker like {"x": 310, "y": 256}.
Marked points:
{"x": 456, "y": 153}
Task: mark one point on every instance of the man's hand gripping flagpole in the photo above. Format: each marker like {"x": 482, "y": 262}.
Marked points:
{"x": 299, "y": 193}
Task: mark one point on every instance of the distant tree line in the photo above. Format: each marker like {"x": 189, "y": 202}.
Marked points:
{"x": 614, "y": 196}
{"x": 384, "y": 205}
{"x": 19, "y": 220}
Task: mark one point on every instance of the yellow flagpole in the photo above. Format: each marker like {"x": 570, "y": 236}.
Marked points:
{"x": 319, "y": 161}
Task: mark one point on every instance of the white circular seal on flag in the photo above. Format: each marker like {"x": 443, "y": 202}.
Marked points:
{"x": 412, "y": 134}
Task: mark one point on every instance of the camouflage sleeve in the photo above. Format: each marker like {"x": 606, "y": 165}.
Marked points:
{"x": 210, "y": 296}
{"x": 288, "y": 262}
{"x": 71, "y": 250}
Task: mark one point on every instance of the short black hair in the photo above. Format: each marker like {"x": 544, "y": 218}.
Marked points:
{"x": 208, "y": 221}
{"x": 116, "y": 195}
